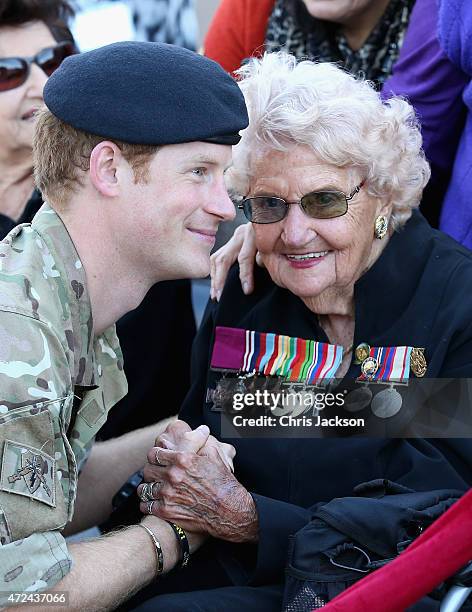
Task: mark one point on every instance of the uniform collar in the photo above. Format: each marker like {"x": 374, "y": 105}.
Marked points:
{"x": 65, "y": 264}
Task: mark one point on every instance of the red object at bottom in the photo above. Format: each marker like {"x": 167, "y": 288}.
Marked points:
{"x": 440, "y": 551}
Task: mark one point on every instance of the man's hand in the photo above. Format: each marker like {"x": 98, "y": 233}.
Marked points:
{"x": 199, "y": 493}
{"x": 179, "y": 436}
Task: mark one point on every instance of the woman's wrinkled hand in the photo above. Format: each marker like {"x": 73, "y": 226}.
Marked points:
{"x": 199, "y": 493}
{"x": 241, "y": 247}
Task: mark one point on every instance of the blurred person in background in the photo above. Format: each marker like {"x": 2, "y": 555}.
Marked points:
{"x": 455, "y": 31}
{"x": 431, "y": 74}
{"x": 100, "y": 22}
{"x": 362, "y": 35}
{"x": 169, "y": 21}
{"x": 34, "y": 39}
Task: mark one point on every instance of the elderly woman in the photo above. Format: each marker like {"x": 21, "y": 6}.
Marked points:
{"x": 330, "y": 177}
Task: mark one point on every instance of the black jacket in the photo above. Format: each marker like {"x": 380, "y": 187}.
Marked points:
{"x": 418, "y": 293}
{"x": 32, "y": 206}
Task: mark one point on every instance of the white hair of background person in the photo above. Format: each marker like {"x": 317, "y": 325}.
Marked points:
{"x": 342, "y": 118}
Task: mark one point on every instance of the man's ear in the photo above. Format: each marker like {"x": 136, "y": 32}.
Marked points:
{"x": 105, "y": 161}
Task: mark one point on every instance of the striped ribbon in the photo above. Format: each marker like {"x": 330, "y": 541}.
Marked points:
{"x": 295, "y": 359}
{"x": 393, "y": 361}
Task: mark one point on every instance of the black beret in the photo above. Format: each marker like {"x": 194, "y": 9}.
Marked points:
{"x": 147, "y": 93}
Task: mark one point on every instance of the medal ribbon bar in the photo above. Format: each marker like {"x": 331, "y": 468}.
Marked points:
{"x": 391, "y": 363}
{"x": 294, "y": 359}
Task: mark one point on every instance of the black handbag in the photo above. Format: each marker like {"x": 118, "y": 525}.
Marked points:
{"x": 350, "y": 537}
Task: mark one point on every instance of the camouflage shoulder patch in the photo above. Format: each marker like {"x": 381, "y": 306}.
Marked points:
{"x": 28, "y": 471}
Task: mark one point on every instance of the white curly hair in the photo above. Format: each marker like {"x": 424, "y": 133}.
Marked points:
{"x": 342, "y": 118}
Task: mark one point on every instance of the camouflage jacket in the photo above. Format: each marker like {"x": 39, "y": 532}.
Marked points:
{"x": 57, "y": 383}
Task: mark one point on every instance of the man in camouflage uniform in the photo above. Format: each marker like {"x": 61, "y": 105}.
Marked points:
{"x": 49, "y": 358}
{"x": 66, "y": 278}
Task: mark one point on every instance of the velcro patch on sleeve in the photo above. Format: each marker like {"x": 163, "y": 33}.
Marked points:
{"x": 28, "y": 471}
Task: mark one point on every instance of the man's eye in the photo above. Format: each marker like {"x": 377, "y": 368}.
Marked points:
{"x": 199, "y": 171}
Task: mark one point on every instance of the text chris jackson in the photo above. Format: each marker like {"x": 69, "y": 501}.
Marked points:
{"x": 290, "y": 421}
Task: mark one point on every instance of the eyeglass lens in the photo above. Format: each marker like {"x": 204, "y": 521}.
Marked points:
{"x": 50, "y": 59}
{"x": 318, "y": 205}
{"x": 324, "y": 204}
{"x": 14, "y": 70}
{"x": 12, "y": 73}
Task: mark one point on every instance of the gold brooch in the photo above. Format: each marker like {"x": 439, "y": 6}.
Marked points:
{"x": 362, "y": 352}
{"x": 418, "y": 363}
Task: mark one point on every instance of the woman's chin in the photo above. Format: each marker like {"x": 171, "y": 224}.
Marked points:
{"x": 303, "y": 282}
{"x": 306, "y": 293}
{"x": 303, "y": 289}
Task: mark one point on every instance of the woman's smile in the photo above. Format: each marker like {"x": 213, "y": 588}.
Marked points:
{"x": 306, "y": 260}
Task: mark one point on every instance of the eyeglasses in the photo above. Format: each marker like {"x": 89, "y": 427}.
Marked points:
{"x": 317, "y": 204}
{"x": 15, "y": 70}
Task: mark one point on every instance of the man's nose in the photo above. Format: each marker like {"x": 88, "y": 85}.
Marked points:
{"x": 221, "y": 204}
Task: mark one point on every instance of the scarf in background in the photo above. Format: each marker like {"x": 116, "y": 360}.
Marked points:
{"x": 324, "y": 41}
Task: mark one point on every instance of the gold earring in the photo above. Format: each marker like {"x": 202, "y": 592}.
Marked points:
{"x": 381, "y": 226}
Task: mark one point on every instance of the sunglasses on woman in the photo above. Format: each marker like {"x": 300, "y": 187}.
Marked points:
{"x": 316, "y": 204}
{"x": 15, "y": 70}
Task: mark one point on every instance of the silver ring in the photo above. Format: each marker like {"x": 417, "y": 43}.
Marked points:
{"x": 142, "y": 495}
{"x": 146, "y": 492}
{"x": 157, "y": 459}
{"x": 149, "y": 507}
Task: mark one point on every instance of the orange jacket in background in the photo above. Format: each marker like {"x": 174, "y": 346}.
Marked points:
{"x": 237, "y": 31}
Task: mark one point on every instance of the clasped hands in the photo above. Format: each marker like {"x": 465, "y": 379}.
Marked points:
{"x": 193, "y": 485}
